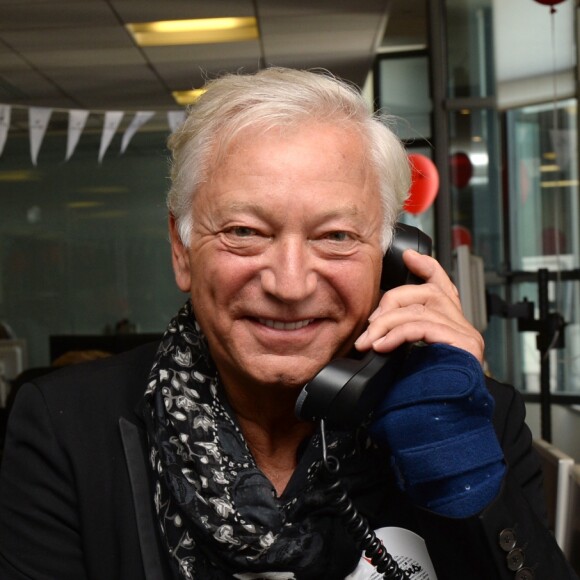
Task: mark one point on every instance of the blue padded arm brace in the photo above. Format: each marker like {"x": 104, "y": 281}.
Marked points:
{"x": 437, "y": 421}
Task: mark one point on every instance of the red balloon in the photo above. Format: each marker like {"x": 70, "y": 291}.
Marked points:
{"x": 424, "y": 184}
{"x": 461, "y": 169}
{"x": 461, "y": 236}
{"x": 550, "y": 3}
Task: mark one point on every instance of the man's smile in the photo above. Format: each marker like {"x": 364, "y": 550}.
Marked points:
{"x": 281, "y": 325}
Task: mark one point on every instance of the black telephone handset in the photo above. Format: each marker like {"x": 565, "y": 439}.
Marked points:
{"x": 346, "y": 390}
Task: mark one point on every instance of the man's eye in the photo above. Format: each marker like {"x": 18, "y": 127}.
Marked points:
{"x": 242, "y": 232}
{"x": 338, "y": 236}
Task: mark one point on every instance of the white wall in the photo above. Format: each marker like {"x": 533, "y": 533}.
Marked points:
{"x": 530, "y": 45}
{"x": 565, "y": 427}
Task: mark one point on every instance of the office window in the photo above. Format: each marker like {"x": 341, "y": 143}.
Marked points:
{"x": 83, "y": 245}
{"x": 470, "y": 48}
{"x": 544, "y": 217}
{"x": 403, "y": 91}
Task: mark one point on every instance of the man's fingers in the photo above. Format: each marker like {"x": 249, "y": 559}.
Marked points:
{"x": 429, "y": 269}
{"x": 429, "y": 312}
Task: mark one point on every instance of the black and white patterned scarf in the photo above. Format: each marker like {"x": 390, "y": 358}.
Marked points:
{"x": 219, "y": 515}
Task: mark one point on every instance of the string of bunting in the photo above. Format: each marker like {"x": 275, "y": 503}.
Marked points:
{"x": 39, "y": 119}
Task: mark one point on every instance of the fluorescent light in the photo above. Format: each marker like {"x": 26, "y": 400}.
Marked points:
{"x": 546, "y": 168}
{"x": 107, "y": 189}
{"x": 187, "y": 97}
{"x": 562, "y": 183}
{"x": 18, "y": 175}
{"x": 83, "y": 204}
{"x": 479, "y": 159}
{"x": 198, "y": 31}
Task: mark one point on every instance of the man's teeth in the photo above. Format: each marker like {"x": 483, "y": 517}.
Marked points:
{"x": 278, "y": 325}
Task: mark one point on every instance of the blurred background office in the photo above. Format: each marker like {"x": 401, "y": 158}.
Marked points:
{"x": 486, "y": 95}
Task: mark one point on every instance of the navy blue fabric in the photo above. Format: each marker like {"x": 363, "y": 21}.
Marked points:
{"x": 437, "y": 422}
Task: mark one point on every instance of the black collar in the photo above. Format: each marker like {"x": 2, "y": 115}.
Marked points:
{"x": 136, "y": 452}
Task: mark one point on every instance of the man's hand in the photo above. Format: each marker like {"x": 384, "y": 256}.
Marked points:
{"x": 429, "y": 312}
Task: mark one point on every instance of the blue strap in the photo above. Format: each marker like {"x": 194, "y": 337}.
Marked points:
{"x": 437, "y": 421}
{"x": 448, "y": 458}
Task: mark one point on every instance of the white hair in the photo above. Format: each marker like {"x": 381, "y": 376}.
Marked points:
{"x": 280, "y": 97}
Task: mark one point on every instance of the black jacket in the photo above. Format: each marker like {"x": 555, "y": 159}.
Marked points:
{"x": 76, "y": 503}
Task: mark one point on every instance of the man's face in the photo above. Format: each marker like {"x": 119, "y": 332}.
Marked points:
{"x": 284, "y": 262}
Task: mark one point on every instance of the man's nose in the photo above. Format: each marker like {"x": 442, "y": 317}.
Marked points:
{"x": 289, "y": 275}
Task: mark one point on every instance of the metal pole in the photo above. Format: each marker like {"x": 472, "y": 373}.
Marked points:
{"x": 440, "y": 124}
{"x": 544, "y": 348}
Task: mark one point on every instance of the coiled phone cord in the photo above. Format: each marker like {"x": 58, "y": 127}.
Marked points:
{"x": 356, "y": 525}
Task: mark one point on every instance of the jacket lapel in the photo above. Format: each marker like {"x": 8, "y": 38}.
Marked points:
{"x": 136, "y": 452}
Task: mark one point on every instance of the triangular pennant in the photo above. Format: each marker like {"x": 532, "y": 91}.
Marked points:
{"x": 140, "y": 118}
{"x": 76, "y": 123}
{"x": 175, "y": 119}
{"x": 38, "y": 118}
{"x": 111, "y": 122}
{"x": 5, "y": 111}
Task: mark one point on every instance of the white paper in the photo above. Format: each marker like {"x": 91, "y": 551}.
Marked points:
{"x": 38, "y": 118}
{"x": 76, "y": 123}
{"x": 409, "y": 551}
{"x": 110, "y": 125}
{"x": 175, "y": 119}
{"x": 140, "y": 118}
{"x": 5, "y": 112}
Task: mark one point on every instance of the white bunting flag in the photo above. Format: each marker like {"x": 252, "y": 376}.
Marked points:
{"x": 38, "y": 118}
{"x": 5, "y": 111}
{"x": 140, "y": 118}
{"x": 174, "y": 119}
{"x": 76, "y": 123}
{"x": 111, "y": 122}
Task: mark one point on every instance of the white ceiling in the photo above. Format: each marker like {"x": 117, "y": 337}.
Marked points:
{"x": 77, "y": 54}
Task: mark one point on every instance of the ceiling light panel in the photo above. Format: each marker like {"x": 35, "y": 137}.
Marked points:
{"x": 197, "y": 31}
{"x": 187, "y": 97}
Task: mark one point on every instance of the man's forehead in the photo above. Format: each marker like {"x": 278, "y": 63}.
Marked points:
{"x": 233, "y": 139}
{"x": 337, "y": 208}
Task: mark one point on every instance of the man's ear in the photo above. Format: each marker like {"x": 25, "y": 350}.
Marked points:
{"x": 179, "y": 258}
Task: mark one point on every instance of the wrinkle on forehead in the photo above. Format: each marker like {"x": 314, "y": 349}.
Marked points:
{"x": 348, "y": 209}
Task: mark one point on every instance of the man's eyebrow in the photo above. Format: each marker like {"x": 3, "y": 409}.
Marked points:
{"x": 344, "y": 210}
{"x": 245, "y": 206}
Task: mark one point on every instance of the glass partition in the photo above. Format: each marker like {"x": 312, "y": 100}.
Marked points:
{"x": 474, "y": 183}
{"x": 84, "y": 245}
{"x": 403, "y": 91}
{"x": 544, "y": 218}
{"x": 469, "y": 48}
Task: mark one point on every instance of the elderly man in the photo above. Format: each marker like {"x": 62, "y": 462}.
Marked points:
{"x": 186, "y": 459}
